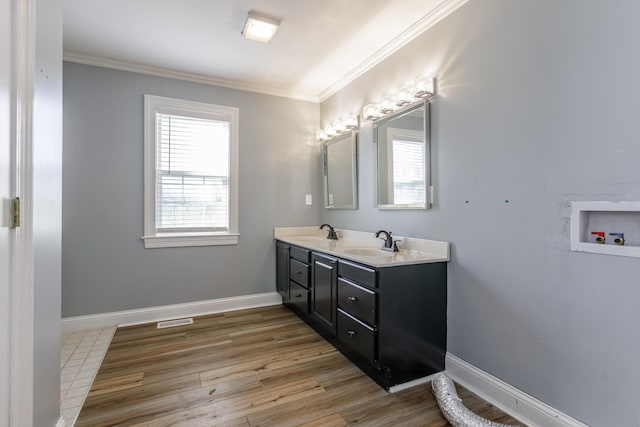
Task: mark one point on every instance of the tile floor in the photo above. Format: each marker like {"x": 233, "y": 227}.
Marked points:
{"x": 81, "y": 355}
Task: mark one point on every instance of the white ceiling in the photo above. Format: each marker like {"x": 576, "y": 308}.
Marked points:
{"x": 320, "y": 46}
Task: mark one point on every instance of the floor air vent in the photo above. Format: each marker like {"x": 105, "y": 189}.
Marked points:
{"x": 176, "y": 322}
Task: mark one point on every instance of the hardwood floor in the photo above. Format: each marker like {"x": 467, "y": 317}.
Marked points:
{"x": 258, "y": 367}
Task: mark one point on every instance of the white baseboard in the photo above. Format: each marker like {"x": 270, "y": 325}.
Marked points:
{"x": 409, "y": 384}
{"x": 167, "y": 312}
{"x": 61, "y": 422}
{"x": 514, "y": 402}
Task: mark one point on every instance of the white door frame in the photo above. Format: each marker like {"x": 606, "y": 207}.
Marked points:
{"x": 6, "y": 189}
{"x": 21, "y": 382}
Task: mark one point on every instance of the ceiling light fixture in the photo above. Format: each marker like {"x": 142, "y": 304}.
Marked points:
{"x": 260, "y": 27}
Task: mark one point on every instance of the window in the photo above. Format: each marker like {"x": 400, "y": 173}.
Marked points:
{"x": 191, "y": 173}
{"x": 408, "y": 166}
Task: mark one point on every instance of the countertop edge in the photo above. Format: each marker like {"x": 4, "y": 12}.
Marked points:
{"x": 362, "y": 260}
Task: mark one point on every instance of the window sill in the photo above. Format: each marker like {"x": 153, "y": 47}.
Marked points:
{"x": 178, "y": 240}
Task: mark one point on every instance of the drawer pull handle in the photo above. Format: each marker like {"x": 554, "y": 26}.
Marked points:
{"x": 298, "y": 296}
{"x": 297, "y": 272}
{"x": 352, "y": 299}
{"x": 351, "y": 333}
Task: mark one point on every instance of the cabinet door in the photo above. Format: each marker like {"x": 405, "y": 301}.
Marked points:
{"x": 324, "y": 290}
{"x": 282, "y": 270}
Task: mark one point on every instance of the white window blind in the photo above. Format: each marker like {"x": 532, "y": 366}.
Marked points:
{"x": 192, "y": 174}
{"x": 408, "y": 172}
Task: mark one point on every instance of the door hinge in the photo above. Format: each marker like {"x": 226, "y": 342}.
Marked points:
{"x": 15, "y": 212}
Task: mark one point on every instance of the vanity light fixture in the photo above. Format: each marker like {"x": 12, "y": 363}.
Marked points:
{"x": 336, "y": 128}
{"x": 260, "y": 27}
{"x": 423, "y": 87}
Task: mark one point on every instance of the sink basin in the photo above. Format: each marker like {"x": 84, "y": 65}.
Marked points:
{"x": 309, "y": 238}
{"x": 366, "y": 252}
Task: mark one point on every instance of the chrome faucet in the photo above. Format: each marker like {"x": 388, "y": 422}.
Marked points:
{"x": 389, "y": 244}
{"x": 332, "y": 233}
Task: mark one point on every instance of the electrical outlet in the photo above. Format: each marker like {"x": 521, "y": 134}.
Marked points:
{"x": 308, "y": 199}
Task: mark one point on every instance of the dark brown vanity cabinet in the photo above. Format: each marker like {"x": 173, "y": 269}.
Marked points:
{"x": 391, "y": 321}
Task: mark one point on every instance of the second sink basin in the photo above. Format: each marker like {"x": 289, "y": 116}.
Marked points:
{"x": 365, "y": 252}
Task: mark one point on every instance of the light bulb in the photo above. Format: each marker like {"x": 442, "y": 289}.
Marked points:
{"x": 386, "y": 104}
{"x": 330, "y": 131}
{"x": 404, "y": 96}
{"x": 424, "y": 87}
{"x": 370, "y": 112}
{"x": 350, "y": 122}
{"x": 339, "y": 126}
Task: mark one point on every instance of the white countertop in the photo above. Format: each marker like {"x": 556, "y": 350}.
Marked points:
{"x": 364, "y": 247}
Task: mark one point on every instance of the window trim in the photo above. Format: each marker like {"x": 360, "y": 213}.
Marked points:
{"x": 152, "y": 239}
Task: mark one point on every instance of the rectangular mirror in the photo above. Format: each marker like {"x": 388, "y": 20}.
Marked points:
{"x": 340, "y": 158}
{"x": 402, "y": 160}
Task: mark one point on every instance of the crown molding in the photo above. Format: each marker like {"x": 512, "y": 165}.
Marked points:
{"x": 429, "y": 20}
{"x": 97, "y": 61}
{"x": 439, "y": 13}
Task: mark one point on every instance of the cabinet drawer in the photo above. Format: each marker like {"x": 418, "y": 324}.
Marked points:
{"x": 299, "y": 297}
{"x": 357, "y": 336}
{"x": 363, "y": 275}
{"x": 357, "y": 301}
{"x": 299, "y": 272}
{"x": 300, "y": 254}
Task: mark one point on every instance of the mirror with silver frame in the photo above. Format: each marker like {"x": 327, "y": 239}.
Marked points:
{"x": 402, "y": 158}
{"x": 340, "y": 160}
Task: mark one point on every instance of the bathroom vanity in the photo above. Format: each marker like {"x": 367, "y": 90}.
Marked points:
{"x": 385, "y": 311}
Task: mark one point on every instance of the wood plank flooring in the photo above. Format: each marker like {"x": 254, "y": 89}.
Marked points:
{"x": 258, "y": 367}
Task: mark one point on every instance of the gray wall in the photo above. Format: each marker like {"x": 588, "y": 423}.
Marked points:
{"x": 538, "y": 105}
{"x": 105, "y": 267}
{"x": 47, "y": 211}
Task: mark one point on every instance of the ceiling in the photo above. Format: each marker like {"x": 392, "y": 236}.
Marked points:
{"x": 320, "y": 46}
